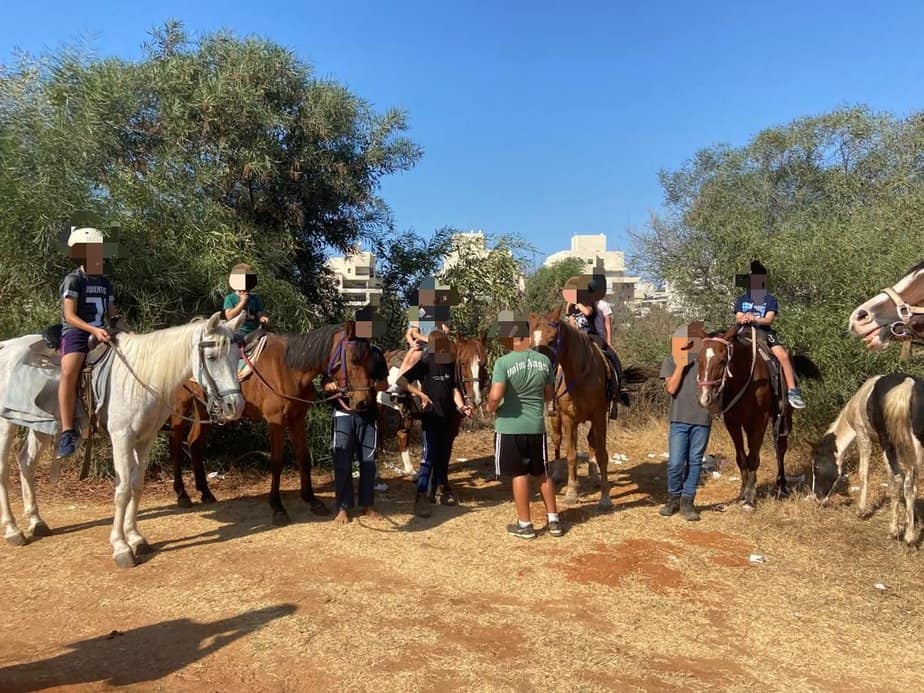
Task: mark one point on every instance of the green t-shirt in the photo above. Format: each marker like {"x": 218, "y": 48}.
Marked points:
{"x": 253, "y": 309}
{"x": 526, "y": 373}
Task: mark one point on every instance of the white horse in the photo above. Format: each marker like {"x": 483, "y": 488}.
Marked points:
{"x": 147, "y": 370}
{"x": 894, "y": 313}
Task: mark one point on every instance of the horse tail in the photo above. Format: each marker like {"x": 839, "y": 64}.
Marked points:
{"x": 897, "y": 417}
{"x": 638, "y": 374}
{"x": 917, "y": 410}
{"x": 805, "y": 367}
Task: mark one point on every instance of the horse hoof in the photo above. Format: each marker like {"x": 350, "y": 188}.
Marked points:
{"x": 281, "y": 518}
{"x": 41, "y": 530}
{"x": 606, "y": 504}
{"x": 571, "y": 499}
{"x": 142, "y": 548}
{"x": 18, "y": 539}
{"x": 318, "y": 507}
{"x": 208, "y": 498}
{"x": 125, "y": 559}
{"x": 184, "y": 502}
{"x": 747, "y": 506}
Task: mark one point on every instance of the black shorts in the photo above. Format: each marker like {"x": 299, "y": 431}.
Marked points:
{"x": 765, "y": 334}
{"x": 517, "y": 454}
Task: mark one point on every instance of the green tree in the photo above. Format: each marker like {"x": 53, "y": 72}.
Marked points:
{"x": 833, "y": 205}
{"x": 206, "y": 153}
{"x": 543, "y": 287}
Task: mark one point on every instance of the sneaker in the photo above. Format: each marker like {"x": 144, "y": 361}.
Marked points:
{"x": 795, "y": 399}
{"x": 555, "y": 528}
{"x": 67, "y": 446}
{"x": 447, "y": 497}
{"x": 526, "y": 532}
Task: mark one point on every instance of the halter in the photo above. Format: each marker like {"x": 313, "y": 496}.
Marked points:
{"x": 338, "y": 362}
{"x": 213, "y": 394}
{"x": 727, "y": 372}
{"x": 899, "y": 328}
{"x": 730, "y": 347}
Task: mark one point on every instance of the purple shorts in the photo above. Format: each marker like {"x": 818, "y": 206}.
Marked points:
{"x": 74, "y": 342}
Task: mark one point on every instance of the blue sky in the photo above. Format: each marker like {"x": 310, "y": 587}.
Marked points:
{"x": 548, "y": 118}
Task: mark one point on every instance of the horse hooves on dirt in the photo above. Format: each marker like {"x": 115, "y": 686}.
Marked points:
{"x": 18, "y": 539}
{"x": 184, "y": 501}
{"x": 570, "y": 498}
{"x": 317, "y": 506}
{"x": 606, "y": 504}
{"x": 142, "y": 549}
{"x": 747, "y": 506}
{"x": 41, "y": 530}
{"x": 208, "y": 498}
{"x": 281, "y": 518}
{"x": 126, "y": 559}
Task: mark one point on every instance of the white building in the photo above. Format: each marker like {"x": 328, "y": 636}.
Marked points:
{"x": 356, "y": 279}
{"x": 591, "y": 250}
{"x": 471, "y": 244}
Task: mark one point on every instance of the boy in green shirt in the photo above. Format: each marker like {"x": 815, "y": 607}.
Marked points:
{"x": 242, "y": 280}
{"x": 521, "y": 384}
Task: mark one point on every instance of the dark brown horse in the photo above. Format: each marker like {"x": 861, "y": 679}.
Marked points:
{"x": 580, "y": 395}
{"x": 279, "y": 391}
{"x": 735, "y": 380}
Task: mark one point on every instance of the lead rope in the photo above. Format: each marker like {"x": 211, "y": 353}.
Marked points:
{"x": 750, "y": 374}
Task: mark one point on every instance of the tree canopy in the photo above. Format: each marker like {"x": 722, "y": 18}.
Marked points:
{"x": 205, "y": 153}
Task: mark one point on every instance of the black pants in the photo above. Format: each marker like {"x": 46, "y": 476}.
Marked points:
{"x": 434, "y": 469}
{"x": 611, "y": 356}
{"x": 353, "y": 436}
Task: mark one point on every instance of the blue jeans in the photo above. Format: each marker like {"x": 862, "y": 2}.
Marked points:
{"x": 687, "y": 444}
{"x": 354, "y": 437}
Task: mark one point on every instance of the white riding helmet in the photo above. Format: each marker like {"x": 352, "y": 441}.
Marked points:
{"x": 87, "y": 235}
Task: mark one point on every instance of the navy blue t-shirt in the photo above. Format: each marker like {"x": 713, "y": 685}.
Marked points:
{"x": 745, "y": 304}
{"x": 92, "y": 294}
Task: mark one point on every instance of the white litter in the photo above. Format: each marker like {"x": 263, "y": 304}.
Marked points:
{"x": 881, "y": 587}
{"x": 216, "y": 475}
{"x": 756, "y": 559}
{"x": 734, "y": 478}
{"x": 716, "y": 475}
{"x": 461, "y": 459}
{"x": 665, "y": 455}
{"x": 619, "y": 457}
{"x": 854, "y": 488}
{"x": 651, "y": 455}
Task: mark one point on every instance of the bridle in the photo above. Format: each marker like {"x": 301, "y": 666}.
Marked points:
{"x": 214, "y": 395}
{"x": 337, "y": 371}
{"x": 900, "y": 328}
{"x": 727, "y": 373}
{"x": 462, "y": 381}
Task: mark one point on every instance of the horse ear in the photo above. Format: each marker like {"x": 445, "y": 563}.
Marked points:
{"x": 214, "y": 322}
{"x": 556, "y": 314}
{"x": 349, "y": 329}
{"x": 483, "y": 337}
{"x": 235, "y": 323}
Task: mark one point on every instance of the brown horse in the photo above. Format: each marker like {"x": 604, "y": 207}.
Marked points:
{"x": 580, "y": 395}
{"x": 279, "y": 391}
{"x": 895, "y": 313}
{"x": 734, "y": 379}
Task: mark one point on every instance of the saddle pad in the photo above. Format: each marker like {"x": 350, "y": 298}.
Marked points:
{"x": 253, "y": 354}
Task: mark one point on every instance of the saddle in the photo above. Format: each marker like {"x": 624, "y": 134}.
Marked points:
{"x": 777, "y": 382}
{"x": 253, "y": 349}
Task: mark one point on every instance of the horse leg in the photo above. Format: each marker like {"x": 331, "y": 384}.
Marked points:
{"x": 598, "y": 433}
{"x": 737, "y": 436}
{"x": 555, "y": 428}
{"x": 911, "y": 495}
{"x": 569, "y": 432}
{"x": 177, "y": 434}
{"x": 136, "y": 542}
{"x": 402, "y": 435}
{"x": 896, "y": 495}
{"x": 123, "y": 460}
{"x": 277, "y": 445}
{"x": 11, "y": 531}
{"x": 196, "y": 455}
{"x": 28, "y": 458}
{"x": 755, "y": 438}
{"x": 303, "y": 460}
{"x": 781, "y": 445}
{"x": 864, "y": 447}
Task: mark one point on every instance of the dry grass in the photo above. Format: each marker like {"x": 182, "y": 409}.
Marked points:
{"x": 626, "y": 601}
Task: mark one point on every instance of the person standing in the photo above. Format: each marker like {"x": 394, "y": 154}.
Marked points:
{"x": 522, "y": 383}
{"x": 690, "y": 424}
{"x": 87, "y": 301}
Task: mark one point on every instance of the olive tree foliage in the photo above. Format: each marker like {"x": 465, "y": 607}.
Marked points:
{"x": 833, "y": 206}
{"x": 488, "y": 274}
{"x": 206, "y": 153}
{"x": 544, "y": 286}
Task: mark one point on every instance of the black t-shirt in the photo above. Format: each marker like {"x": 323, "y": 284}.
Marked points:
{"x": 379, "y": 372}
{"x": 585, "y": 323}
{"x": 437, "y": 380}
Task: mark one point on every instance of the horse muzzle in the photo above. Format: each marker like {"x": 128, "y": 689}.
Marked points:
{"x": 229, "y": 406}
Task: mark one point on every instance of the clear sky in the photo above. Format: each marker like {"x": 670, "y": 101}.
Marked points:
{"x": 548, "y": 118}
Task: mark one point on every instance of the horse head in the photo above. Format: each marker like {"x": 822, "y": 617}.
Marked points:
{"x": 546, "y": 331}
{"x": 214, "y": 365}
{"x": 826, "y": 466}
{"x": 354, "y": 370}
{"x": 473, "y": 367}
{"x": 894, "y": 313}
{"x": 713, "y": 366}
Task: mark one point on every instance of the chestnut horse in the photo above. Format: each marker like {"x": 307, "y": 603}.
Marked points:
{"x": 733, "y": 378}
{"x": 895, "y": 313}
{"x": 279, "y": 391}
{"x": 580, "y": 395}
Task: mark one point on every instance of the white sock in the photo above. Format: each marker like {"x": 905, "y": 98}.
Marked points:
{"x": 553, "y": 517}
{"x": 524, "y": 525}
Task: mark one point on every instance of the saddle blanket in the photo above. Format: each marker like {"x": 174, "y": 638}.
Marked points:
{"x": 253, "y": 352}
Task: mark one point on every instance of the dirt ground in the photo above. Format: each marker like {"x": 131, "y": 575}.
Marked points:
{"x": 624, "y": 601}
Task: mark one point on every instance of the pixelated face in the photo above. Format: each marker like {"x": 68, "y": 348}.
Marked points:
{"x": 757, "y": 287}
{"x": 241, "y": 280}
{"x": 92, "y": 255}
{"x": 570, "y": 295}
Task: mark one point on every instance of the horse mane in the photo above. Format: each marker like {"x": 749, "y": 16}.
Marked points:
{"x": 916, "y": 268}
{"x": 311, "y": 350}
